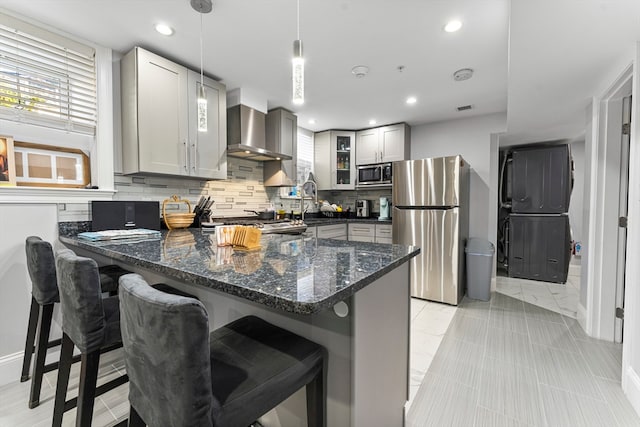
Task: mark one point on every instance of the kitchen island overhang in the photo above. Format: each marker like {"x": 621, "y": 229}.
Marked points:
{"x": 279, "y": 267}
{"x": 294, "y": 282}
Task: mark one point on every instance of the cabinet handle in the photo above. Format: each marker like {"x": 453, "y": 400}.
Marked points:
{"x": 376, "y": 157}
{"x": 186, "y": 155}
{"x": 194, "y": 166}
{"x": 381, "y": 156}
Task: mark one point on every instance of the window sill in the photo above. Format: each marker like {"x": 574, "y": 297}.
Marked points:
{"x": 44, "y": 195}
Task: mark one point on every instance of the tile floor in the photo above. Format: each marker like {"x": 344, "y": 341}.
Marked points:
{"x": 557, "y": 297}
{"x": 506, "y": 362}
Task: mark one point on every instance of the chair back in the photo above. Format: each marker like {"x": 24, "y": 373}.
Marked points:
{"x": 42, "y": 270}
{"x": 166, "y": 346}
{"x": 83, "y": 318}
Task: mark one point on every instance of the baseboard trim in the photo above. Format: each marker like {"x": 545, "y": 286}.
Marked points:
{"x": 631, "y": 388}
{"x": 575, "y": 269}
{"x": 10, "y": 368}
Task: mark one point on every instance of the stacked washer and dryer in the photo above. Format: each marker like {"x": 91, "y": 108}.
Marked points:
{"x": 536, "y": 185}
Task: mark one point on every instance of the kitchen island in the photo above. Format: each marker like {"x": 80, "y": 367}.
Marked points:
{"x": 351, "y": 297}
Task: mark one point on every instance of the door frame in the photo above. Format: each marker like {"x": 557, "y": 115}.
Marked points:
{"x": 623, "y": 211}
{"x": 604, "y": 188}
{"x": 631, "y": 334}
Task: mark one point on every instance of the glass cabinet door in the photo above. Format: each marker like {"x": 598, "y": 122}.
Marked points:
{"x": 344, "y": 161}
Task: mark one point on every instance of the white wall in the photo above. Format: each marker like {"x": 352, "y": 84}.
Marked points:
{"x": 472, "y": 139}
{"x": 18, "y": 222}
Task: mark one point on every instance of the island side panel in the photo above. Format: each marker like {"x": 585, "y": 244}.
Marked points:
{"x": 381, "y": 319}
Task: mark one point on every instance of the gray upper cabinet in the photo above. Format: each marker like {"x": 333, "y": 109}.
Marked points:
{"x": 282, "y": 137}
{"x": 367, "y": 142}
{"x": 383, "y": 144}
{"x": 159, "y": 119}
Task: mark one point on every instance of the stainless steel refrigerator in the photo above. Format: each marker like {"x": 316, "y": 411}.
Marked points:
{"x": 430, "y": 210}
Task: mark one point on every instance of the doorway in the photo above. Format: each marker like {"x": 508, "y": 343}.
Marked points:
{"x": 609, "y": 183}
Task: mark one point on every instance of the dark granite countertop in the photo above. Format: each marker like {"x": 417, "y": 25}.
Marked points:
{"x": 292, "y": 273}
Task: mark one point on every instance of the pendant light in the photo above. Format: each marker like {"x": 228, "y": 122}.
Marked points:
{"x": 202, "y": 7}
{"x": 297, "y": 72}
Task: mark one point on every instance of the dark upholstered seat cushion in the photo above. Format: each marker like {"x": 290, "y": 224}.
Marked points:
{"x": 109, "y": 276}
{"x": 42, "y": 270}
{"x": 166, "y": 344}
{"x": 89, "y": 320}
{"x": 255, "y": 366}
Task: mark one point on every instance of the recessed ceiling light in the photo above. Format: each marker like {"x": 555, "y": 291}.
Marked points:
{"x": 411, "y": 100}
{"x": 164, "y": 29}
{"x": 453, "y": 26}
{"x": 360, "y": 71}
{"x": 372, "y": 122}
{"x": 312, "y": 121}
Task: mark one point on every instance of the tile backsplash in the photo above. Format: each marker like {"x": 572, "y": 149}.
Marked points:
{"x": 243, "y": 189}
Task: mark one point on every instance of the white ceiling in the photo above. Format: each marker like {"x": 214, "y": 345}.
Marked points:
{"x": 539, "y": 60}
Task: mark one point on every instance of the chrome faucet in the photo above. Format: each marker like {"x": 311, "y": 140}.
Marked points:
{"x": 308, "y": 187}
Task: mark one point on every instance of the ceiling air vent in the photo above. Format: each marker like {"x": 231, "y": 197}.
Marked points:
{"x": 464, "y": 107}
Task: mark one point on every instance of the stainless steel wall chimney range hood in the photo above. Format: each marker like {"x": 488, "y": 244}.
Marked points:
{"x": 246, "y": 135}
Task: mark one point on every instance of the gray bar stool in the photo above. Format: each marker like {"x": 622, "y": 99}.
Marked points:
{"x": 92, "y": 324}
{"x": 44, "y": 294}
{"x": 182, "y": 375}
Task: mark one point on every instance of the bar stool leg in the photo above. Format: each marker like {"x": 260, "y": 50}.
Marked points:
{"x": 134, "y": 418}
{"x": 64, "y": 368}
{"x": 44, "y": 328}
{"x": 31, "y": 336}
{"x": 315, "y": 401}
{"x": 87, "y": 388}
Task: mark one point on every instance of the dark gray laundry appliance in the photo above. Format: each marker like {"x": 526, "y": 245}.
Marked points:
{"x": 539, "y": 236}
{"x": 539, "y": 247}
{"x": 541, "y": 180}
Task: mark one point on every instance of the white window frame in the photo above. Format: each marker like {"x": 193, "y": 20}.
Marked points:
{"x": 100, "y": 146}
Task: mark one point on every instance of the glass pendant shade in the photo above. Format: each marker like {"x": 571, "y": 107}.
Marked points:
{"x": 202, "y": 109}
{"x": 297, "y": 73}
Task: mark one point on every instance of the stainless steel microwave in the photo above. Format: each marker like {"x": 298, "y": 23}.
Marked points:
{"x": 379, "y": 174}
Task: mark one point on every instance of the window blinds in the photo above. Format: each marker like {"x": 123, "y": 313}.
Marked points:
{"x": 46, "y": 79}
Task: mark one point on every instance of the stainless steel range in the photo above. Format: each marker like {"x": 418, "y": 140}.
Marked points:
{"x": 283, "y": 226}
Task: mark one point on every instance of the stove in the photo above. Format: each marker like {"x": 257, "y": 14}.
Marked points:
{"x": 282, "y": 226}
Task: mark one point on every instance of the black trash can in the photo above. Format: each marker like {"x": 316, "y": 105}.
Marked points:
{"x": 479, "y": 254}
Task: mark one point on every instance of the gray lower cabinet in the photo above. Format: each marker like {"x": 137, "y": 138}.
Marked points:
{"x": 163, "y": 131}
{"x": 383, "y": 233}
{"x": 333, "y": 231}
{"x": 362, "y": 232}
{"x": 354, "y": 232}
